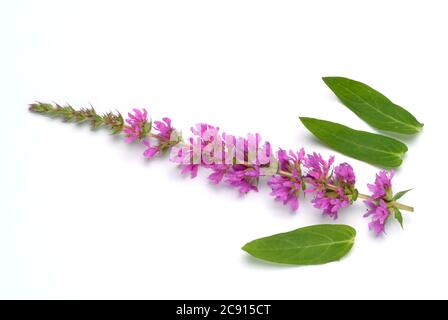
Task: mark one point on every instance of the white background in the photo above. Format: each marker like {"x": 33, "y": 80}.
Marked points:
{"x": 84, "y": 215}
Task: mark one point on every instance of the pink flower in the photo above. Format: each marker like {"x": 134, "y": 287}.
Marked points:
{"x": 283, "y": 160}
{"x": 239, "y": 172}
{"x": 191, "y": 169}
{"x": 203, "y": 135}
{"x": 137, "y": 125}
{"x": 243, "y": 178}
{"x": 248, "y": 160}
{"x": 330, "y": 202}
{"x": 162, "y": 138}
{"x": 219, "y": 171}
{"x": 344, "y": 173}
{"x": 287, "y": 188}
{"x": 379, "y": 212}
{"x": 377, "y": 203}
{"x": 338, "y": 193}
{"x": 151, "y": 150}
{"x": 382, "y": 189}
{"x": 292, "y": 161}
{"x": 318, "y": 170}
{"x": 164, "y": 128}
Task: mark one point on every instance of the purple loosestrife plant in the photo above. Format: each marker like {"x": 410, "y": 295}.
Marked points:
{"x": 243, "y": 162}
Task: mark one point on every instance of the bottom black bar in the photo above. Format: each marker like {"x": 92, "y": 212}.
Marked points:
{"x": 199, "y": 309}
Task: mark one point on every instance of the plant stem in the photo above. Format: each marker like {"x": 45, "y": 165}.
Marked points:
{"x": 403, "y": 206}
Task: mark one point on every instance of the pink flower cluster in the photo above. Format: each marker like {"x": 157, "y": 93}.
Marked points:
{"x": 163, "y": 136}
{"x": 136, "y": 127}
{"x": 240, "y": 162}
{"x": 377, "y": 203}
{"x": 228, "y": 157}
{"x": 340, "y": 196}
{"x": 139, "y": 128}
{"x": 311, "y": 174}
{"x": 287, "y": 188}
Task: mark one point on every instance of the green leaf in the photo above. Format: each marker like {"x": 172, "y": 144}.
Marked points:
{"x": 398, "y": 195}
{"x": 365, "y": 146}
{"x": 398, "y": 216}
{"x": 373, "y": 107}
{"x": 311, "y": 245}
{"x": 147, "y": 128}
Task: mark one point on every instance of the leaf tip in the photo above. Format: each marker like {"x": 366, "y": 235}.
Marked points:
{"x": 246, "y": 247}
{"x": 327, "y": 80}
{"x": 420, "y": 126}
{"x": 304, "y": 120}
{"x": 331, "y": 79}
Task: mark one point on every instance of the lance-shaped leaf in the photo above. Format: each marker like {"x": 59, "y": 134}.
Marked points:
{"x": 365, "y": 146}
{"x": 316, "y": 244}
{"x": 398, "y": 195}
{"x": 373, "y": 107}
{"x": 398, "y": 216}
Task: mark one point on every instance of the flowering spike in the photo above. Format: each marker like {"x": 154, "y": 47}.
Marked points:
{"x": 242, "y": 162}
